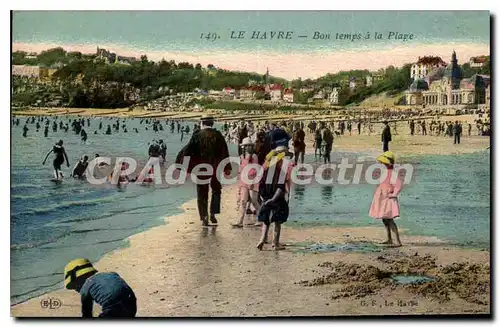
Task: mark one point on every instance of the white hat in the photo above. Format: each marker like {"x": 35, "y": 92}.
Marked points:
{"x": 281, "y": 148}
{"x": 246, "y": 141}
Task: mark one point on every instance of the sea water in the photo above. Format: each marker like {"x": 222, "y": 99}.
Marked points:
{"x": 448, "y": 197}
{"x": 52, "y": 224}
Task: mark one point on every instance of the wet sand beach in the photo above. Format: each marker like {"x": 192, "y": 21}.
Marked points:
{"x": 404, "y": 144}
{"x": 180, "y": 269}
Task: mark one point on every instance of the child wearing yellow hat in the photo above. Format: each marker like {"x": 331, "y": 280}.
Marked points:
{"x": 385, "y": 203}
{"x": 108, "y": 290}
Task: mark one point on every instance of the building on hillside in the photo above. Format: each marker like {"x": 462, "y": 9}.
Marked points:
{"x": 275, "y": 92}
{"x": 445, "y": 86}
{"x": 200, "y": 92}
{"x": 258, "y": 92}
{"x": 45, "y": 72}
{"x": 125, "y": 60}
{"x": 107, "y": 56}
{"x": 288, "y": 95}
{"x": 369, "y": 80}
{"x": 228, "y": 91}
{"x": 478, "y": 62}
{"x": 306, "y": 89}
{"x": 352, "y": 83}
{"x": 215, "y": 93}
{"x": 253, "y": 92}
{"x": 320, "y": 95}
{"x": 355, "y": 82}
{"x": 26, "y": 71}
{"x": 333, "y": 98}
{"x": 246, "y": 93}
{"x": 57, "y": 65}
{"x": 31, "y": 55}
{"x": 327, "y": 89}
{"x": 425, "y": 65}
{"x": 377, "y": 77}
{"x": 373, "y": 78}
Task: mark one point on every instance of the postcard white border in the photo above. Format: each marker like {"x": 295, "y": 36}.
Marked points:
{"x": 200, "y": 5}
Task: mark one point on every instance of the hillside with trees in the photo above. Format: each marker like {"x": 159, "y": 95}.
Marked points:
{"x": 87, "y": 80}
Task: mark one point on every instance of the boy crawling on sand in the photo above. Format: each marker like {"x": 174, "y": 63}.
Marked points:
{"x": 108, "y": 290}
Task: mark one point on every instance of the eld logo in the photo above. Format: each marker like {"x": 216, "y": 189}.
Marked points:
{"x": 50, "y": 303}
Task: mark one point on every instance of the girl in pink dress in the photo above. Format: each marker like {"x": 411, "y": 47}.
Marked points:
{"x": 385, "y": 203}
{"x": 247, "y": 193}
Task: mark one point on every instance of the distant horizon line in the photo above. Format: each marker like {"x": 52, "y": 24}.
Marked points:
{"x": 312, "y": 64}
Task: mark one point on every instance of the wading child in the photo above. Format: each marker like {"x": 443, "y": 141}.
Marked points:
{"x": 273, "y": 190}
{"x": 247, "y": 193}
{"x": 385, "y": 203}
{"x": 108, "y": 290}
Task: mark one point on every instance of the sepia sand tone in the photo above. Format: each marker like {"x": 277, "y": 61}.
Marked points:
{"x": 181, "y": 269}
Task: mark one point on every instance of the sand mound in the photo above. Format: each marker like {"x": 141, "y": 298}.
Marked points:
{"x": 470, "y": 282}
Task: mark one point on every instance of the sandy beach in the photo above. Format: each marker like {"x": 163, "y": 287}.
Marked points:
{"x": 218, "y": 272}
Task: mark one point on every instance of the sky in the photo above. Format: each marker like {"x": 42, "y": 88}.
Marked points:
{"x": 178, "y": 36}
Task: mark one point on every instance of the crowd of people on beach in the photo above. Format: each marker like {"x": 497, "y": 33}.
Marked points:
{"x": 268, "y": 145}
{"x": 265, "y": 144}
{"x": 60, "y": 125}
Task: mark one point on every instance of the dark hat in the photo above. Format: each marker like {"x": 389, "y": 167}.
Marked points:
{"x": 279, "y": 137}
{"x": 386, "y": 122}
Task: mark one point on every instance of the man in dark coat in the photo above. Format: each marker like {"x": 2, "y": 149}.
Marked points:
{"x": 299, "y": 145}
{"x": 412, "y": 127}
{"x": 207, "y": 146}
{"x": 457, "y": 131}
{"x": 262, "y": 146}
{"x": 386, "y": 137}
{"x": 242, "y": 133}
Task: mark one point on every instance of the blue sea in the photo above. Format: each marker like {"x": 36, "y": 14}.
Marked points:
{"x": 52, "y": 224}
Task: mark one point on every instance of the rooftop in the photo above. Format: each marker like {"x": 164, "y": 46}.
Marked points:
{"x": 480, "y": 59}
{"x": 431, "y": 60}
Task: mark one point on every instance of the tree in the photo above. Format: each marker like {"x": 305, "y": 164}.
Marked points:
{"x": 297, "y": 84}
{"x": 344, "y": 95}
{"x": 144, "y": 58}
{"x": 486, "y": 69}
{"x": 75, "y": 55}
{"x": 198, "y": 66}
{"x": 468, "y": 71}
{"x": 52, "y": 56}
{"x": 185, "y": 65}
{"x": 210, "y": 66}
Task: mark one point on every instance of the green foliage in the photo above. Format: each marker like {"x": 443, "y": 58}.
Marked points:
{"x": 395, "y": 80}
{"x": 486, "y": 69}
{"x": 19, "y": 58}
{"x": 299, "y": 97}
{"x": 52, "y": 56}
{"x": 85, "y": 81}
